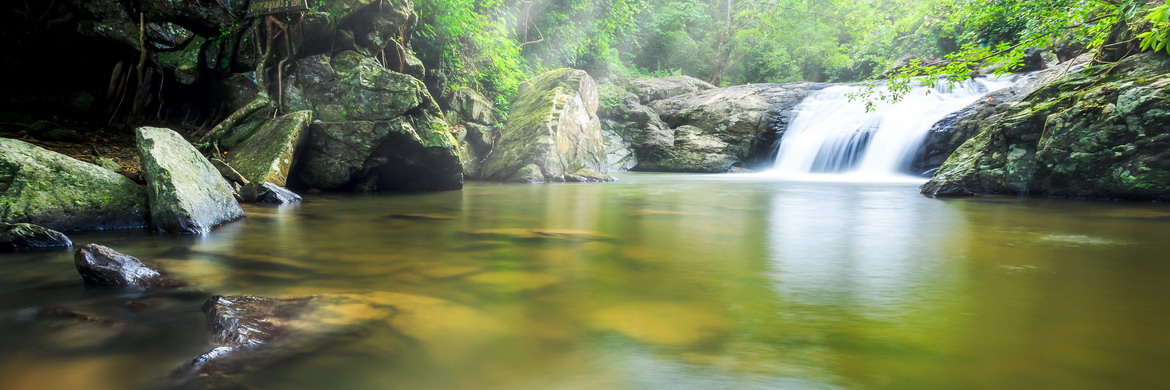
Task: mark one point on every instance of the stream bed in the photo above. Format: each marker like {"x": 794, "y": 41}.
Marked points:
{"x": 665, "y": 281}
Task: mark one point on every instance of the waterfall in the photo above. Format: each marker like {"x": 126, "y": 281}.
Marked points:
{"x": 831, "y": 134}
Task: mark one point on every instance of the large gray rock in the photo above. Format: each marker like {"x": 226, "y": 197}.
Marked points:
{"x": 472, "y": 107}
{"x": 692, "y": 151}
{"x": 1098, "y": 133}
{"x": 102, "y": 266}
{"x": 50, "y": 189}
{"x": 956, "y": 128}
{"x": 269, "y": 154}
{"x": 553, "y": 125}
{"x": 750, "y": 119}
{"x": 643, "y": 133}
{"x": 27, "y": 235}
{"x": 652, "y": 89}
{"x": 187, "y": 194}
{"x": 377, "y": 130}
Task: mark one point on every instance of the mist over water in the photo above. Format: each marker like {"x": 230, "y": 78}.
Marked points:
{"x": 833, "y": 135}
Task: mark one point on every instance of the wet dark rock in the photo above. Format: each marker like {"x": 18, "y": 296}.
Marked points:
{"x": 26, "y": 235}
{"x": 268, "y": 193}
{"x": 251, "y": 333}
{"x": 187, "y": 194}
{"x": 105, "y": 267}
{"x": 58, "y": 192}
{"x": 167, "y": 36}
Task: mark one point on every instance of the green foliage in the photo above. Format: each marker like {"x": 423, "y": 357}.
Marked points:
{"x": 494, "y": 45}
{"x": 610, "y": 95}
{"x": 995, "y": 35}
{"x": 1156, "y": 39}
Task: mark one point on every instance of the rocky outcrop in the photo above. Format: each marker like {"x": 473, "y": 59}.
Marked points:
{"x": 377, "y": 130}
{"x": 1098, "y": 133}
{"x": 27, "y": 235}
{"x": 475, "y": 118}
{"x": 553, "y": 133}
{"x": 653, "y": 89}
{"x": 105, "y": 267}
{"x": 649, "y": 139}
{"x": 187, "y": 194}
{"x": 956, "y": 128}
{"x": 472, "y": 107}
{"x": 50, "y": 189}
{"x": 269, "y": 153}
{"x": 747, "y": 119}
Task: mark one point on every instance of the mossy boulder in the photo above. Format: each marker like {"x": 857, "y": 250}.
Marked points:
{"x": 58, "y": 192}
{"x": 187, "y": 194}
{"x": 956, "y": 128}
{"x": 1099, "y": 133}
{"x": 405, "y": 153}
{"x": 553, "y": 125}
{"x": 349, "y": 86}
{"x": 375, "y": 129}
{"x": 268, "y": 155}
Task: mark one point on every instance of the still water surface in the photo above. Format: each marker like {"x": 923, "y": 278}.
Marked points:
{"x": 661, "y": 281}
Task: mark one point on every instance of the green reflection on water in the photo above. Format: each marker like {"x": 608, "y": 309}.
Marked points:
{"x": 657, "y": 281}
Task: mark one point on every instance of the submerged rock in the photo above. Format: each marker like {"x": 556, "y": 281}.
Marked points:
{"x": 748, "y": 119}
{"x": 187, "y": 193}
{"x": 27, "y": 235}
{"x": 102, "y": 266}
{"x": 268, "y": 155}
{"x": 252, "y": 333}
{"x": 661, "y": 323}
{"x": 1099, "y": 133}
{"x": 553, "y": 126}
{"x": 58, "y": 192}
{"x": 542, "y": 234}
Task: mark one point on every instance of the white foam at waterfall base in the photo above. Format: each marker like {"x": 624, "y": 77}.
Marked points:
{"x": 832, "y": 135}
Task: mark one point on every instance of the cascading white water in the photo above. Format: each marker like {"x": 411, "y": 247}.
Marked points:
{"x": 831, "y": 134}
